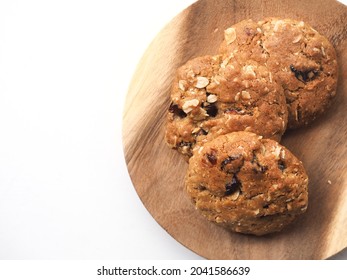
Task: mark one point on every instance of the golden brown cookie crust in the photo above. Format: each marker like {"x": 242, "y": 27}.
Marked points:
{"x": 303, "y": 60}
{"x": 212, "y": 96}
{"x": 247, "y": 184}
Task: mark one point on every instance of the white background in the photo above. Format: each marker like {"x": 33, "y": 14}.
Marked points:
{"x": 65, "y": 67}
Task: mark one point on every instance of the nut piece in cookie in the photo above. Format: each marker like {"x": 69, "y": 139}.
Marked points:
{"x": 247, "y": 184}
{"x": 303, "y": 60}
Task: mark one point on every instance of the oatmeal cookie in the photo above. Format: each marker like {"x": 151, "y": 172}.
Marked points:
{"x": 212, "y": 96}
{"x": 303, "y": 60}
{"x": 247, "y": 184}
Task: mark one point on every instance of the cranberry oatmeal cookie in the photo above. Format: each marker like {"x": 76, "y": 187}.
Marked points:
{"x": 247, "y": 184}
{"x": 212, "y": 96}
{"x": 303, "y": 60}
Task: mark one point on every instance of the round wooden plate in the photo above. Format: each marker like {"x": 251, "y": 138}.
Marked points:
{"x": 157, "y": 172}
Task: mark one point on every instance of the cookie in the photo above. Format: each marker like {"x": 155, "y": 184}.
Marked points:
{"x": 212, "y": 96}
{"x": 303, "y": 60}
{"x": 247, "y": 184}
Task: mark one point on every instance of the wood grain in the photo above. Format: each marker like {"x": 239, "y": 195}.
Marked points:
{"x": 158, "y": 172}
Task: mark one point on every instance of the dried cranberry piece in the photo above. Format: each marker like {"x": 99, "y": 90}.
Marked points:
{"x": 304, "y": 76}
{"x": 201, "y": 188}
{"x": 212, "y": 158}
{"x": 233, "y": 186}
{"x": 211, "y": 110}
{"x": 177, "y": 111}
{"x": 281, "y": 165}
{"x": 185, "y": 144}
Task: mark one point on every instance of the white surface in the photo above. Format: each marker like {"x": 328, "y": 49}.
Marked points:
{"x": 64, "y": 188}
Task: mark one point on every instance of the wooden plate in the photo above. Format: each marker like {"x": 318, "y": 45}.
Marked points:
{"x": 157, "y": 172}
